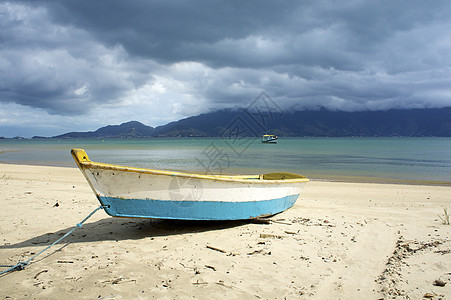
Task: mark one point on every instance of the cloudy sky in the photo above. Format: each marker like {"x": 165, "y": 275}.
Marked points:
{"x": 79, "y": 65}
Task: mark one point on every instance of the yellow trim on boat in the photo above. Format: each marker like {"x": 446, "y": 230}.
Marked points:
{"x": 83, "y": 162}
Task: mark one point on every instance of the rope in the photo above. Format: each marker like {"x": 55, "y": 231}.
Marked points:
{"x": 23, "y": 264}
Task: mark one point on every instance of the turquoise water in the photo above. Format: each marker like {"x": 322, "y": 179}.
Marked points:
{"x": 355, "y": 159}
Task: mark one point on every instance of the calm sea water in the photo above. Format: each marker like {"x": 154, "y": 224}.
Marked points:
{"x": 356, "y": 159}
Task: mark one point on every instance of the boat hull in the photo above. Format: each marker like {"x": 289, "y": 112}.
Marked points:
{"x": 142, "y": 193}
{"x": 195, "y": 210}
{"x": 270, "y": 141}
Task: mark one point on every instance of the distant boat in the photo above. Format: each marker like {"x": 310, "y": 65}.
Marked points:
{"x": 144, "y": 193}
{"x": 269, "y": 138}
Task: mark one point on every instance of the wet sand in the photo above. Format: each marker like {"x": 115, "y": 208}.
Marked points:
{"x": 340, "y": 241}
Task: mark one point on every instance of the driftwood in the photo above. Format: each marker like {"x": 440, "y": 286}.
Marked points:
{"x": 216, "y": 249}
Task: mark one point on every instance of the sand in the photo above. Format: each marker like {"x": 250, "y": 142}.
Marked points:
{"x": 340, "y": 241}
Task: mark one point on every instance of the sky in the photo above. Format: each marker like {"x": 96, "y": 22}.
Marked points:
{"x": 78, "y": 65}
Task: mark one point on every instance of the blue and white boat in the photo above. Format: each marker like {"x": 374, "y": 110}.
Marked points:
{"x": 144, "y": 193}
{"x": 269, "y": 139}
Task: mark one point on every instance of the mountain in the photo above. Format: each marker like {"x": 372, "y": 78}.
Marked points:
{"x": 323, "y": 123}
{"x": 412, "y": 122}
{"x": 210, "y": 124}
{"x": 409, "y": 122}
{"x": 132, "y": 129}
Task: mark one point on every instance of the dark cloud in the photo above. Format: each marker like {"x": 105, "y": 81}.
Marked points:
{"x": 257, "y": 33}
{"x": 186, "y": 57}
{"x": 61, "y": 69}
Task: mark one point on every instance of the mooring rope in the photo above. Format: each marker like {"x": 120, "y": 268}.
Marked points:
{"x": 23, "y": 264}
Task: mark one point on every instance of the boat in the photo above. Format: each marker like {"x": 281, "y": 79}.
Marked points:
{"x": 269, "y": 138}
{"x": 144, "y": 193}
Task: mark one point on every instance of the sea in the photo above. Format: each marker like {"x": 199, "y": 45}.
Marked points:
{"x": 422, "y": 160}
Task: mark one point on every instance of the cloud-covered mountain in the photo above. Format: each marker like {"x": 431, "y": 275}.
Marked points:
{"x": 322, "y": 123}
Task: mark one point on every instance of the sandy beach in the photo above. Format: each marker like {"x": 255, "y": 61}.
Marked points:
{"x": 340, "y": 241}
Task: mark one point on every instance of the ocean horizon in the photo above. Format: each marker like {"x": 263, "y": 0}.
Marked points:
{"x": 419, "y": 160}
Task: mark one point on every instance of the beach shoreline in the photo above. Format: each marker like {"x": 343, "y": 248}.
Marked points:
{"x": 348, "y": 179}
{"x": 382, "y": 160}
{"x": 341, "y": 240}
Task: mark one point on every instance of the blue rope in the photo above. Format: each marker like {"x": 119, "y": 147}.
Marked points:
{"x": 23, "y": 264}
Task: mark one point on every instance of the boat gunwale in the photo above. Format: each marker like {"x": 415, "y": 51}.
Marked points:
{"x": 228, "y": 178}
{"x": 86, "y": 163}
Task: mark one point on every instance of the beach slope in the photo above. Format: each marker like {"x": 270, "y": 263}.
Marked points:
{"x": 339, "y": 241}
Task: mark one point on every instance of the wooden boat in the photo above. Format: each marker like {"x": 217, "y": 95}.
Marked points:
{"x": 269, "y": 138}
{"x": 144, "y": 193}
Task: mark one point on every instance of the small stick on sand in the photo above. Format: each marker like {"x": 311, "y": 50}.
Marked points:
{"x": 210, "y": 267}
{"x": 281, "y": 222}
{"x": 39, "y": 273}
{"x": 216, "y": 249}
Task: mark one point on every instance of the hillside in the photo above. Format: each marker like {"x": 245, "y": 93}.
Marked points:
{"x": 413, "y": 122}
{"x": 132, "y": 129}
{"x": 322, "y": 123}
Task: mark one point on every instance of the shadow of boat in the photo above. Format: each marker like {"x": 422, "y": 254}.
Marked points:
{"x": 117, "y": 229}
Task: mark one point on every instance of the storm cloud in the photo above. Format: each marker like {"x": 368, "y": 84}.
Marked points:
{"x": 106, "y": 62}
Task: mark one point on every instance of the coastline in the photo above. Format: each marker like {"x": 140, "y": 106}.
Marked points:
{"x": 340, "y": 240}
{"x": 383, "y": 160}
{"x": 380, "y": 180}
{"x": 323, "y": 178}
